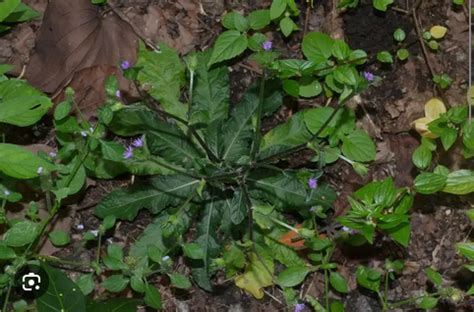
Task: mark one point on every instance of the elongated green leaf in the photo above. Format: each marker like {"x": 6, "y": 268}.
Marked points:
{"x": 164, "y": 191}
{"x": 229, "y": 44}
{"x": 286, "y": 135}
{"x": 237, "y": 132}
{"x": 114, "y": 305}
{"x": 428, "y": 183}
{"x": 317, "y": 47}
{"x": 287, "y": 191}
{"x": 163, "y": 73}
{"x": 207, "y": 239}
{"x": 22, "y": 13}
{"x": 292, "y": 276}
{"x": 7, "y": 7}
{"x": 20, "y": 104}
{"x": 277, "y": 8}
{"x": 20, "y": 163}
{"x": 237, "y": 207}
{"x": 62, "y": 294}
{"x": 460, "y": 182}
{"x": 151, "y": 238}
{"x": 211, "y": 93}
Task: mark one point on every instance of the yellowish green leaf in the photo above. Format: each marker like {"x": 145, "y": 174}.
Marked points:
{"x": 438, "y": 32}
{"x": 257, "y": 276}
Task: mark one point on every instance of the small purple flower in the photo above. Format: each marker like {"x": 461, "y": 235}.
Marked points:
{"x": 137, "y": 143}
{"x": 53, "y": 154}
{"x": 128, "y": 152}
{"x": 6, "y": 192}
{"x": 40, "y": 170}
{"x": 125, "y": 65}
{"x": 84, "y": 134}
{"x": 267, "y": 45}
{"x": 368, "y": 76}
{"x": 313, "y": 183}
{"x": 118, "y": 94}
{"x": 299, "y": 307}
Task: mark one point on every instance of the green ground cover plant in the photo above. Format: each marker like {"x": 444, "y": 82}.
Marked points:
{"x": 213, "y": 179}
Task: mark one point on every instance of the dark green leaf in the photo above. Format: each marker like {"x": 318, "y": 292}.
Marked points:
{"x": 62, "y": 110}
{"x": 317, "y": 47}
{"x": 358, "y": 146}
{"x": 7, "y": 7}
{"x": 292, "y": 276}
{"x": 341, "y": 50}
{"x": 115, "y": 283}
{"x": 114, "y": 305}
{"x": 86, "y": 283}
{"x": 180, "y": 281}
{"x": 385, "y": 57}
{"x": 62, "y": 294}
{"x": 20, "y": 163}
{"x": 287, "y": 26}
{"x": 428, "y": 183}
{"x": 152, "y": 297}
{"x": 229, "y": 44}
{"x": 259, "y": 19}
{"x": 235, "y": 21}
{"x": 460, "y": 182}
{"x": 277, "y": 8}
{"x": 368, "y": 278}
{"x": 193, "y": 251}
{"x": 338, "y": 282}
{"x": 164, "y": 191}
{"x": 21, "y": 233}
{"x": 427, "y": 302}
{"x": 59, "y": 238}
{"x": 434, "y": 276}
{"x": 421, "y": 157}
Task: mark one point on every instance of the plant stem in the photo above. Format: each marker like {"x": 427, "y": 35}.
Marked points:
{"x": 7, "y": 297}
{"x": 99, "y": 245}
{"x": 176, "y": 169}
{"x": 385, "y": 293}
{"x": 410, "y": 300}
{"x": 191, "y": 88}
{"x": 326, "y": 289}
{"x": 257, "y": 134}
{"x": 248, "y": 203}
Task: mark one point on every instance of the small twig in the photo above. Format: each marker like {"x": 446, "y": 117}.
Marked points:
{"x": 23, "y": 70}
{"x": 400, "y": 10}
{"x": 134, "y": 28}
{"x": 306, "y": 20}
{"x": 417, "y": 24}
{"x": 273, "y": 297}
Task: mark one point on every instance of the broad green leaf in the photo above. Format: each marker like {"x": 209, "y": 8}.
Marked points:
{"x": 292, "y": 276}
{"x": 151, "y": 238}
{"x": 78, "y": 177}
{"x": 153, "y": 297}
{"x": 20, "y": 104}
{"x": 20, "y": 163}
{"x": 286, "y": 135}
{"x": 368, "y": 278}
{"x": 22, "y": 13}
{"x": 235, "y": 21}
{"x": 399, "y": 35}
{"x": 114, "y": 305}
{"x": 6, "y": 253}
{"x": 86, "y": 283}
{"x": 434, "y": 276}
{"x": 257, "y": 275}
{"x": 277, "y": 8}
{"x": 358, "y": 146}
{"x": 401, "y": 233}
{"x": 59, "y": 238}
{"x": 193, "y": 251}
{"x": 163, "y": 74}
{"x": 287, "y": 26}
{"x": 62, "y": 110}
{"x": 180, "y": 281}
{"x": 211, "y": 92}
{"x": 7, "y": 7}
{"x": 428, "y": 183}
{"x": 284, "y": 254}
{"x": 317, "y": 47}
{"x": 159, "y": 194}
{"x": 62, "y": 294}
{"x": 468, "y": 135}
{"x": 382, "y": 5}
{"x": 115, "y": 283}
{"x": 338, "y": 282}
{"x": 259, "y": 19}
{"x": 341, "y": 50}
{"x": 421, "y": 157}
{"x": 21, "y": 233}
{"x": 448, "y": 137}
{"x": 229, "y": 44}
{"x": 385, "y": 57}
{"x": 402, "y": 54}
{"x": 311, "y": 89}
{"x": 460, "y": 182}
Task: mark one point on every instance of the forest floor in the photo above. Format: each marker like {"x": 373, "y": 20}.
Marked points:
{"x": 385, "y": 111}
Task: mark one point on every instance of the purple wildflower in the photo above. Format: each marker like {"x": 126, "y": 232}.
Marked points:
{"x": 84, "y": 134}
{"x": 299, "y": 307}
{"x": 137, "y": 143}
{"x": 368, "y": 76}
{"x": 118, "y": 94}
{"x": 128, "y": 152}
{"x": 267, "y": 45}
{"x": 53, "y": 154}
{"x": 40, "y": 170}
{"x": 125, "y": 65}
{"x": 313, "y": 183}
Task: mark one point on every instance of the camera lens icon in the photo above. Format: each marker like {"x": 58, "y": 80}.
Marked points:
{"x": 31, "y": 282}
